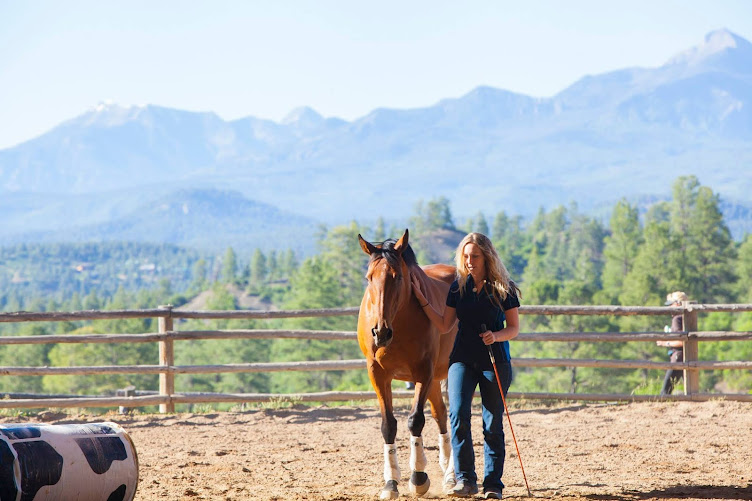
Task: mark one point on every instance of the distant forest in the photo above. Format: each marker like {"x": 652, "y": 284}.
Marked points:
{"x": 561, "y": 256}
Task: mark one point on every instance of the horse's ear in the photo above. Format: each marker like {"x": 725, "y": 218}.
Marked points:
{"x": 401, "y": 244}
{"x": 367, "y": 247}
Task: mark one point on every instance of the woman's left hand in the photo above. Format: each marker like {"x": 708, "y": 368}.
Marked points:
{"x": 488, "y": 337}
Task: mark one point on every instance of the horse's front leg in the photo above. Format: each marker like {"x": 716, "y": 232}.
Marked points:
{"x": 382, "y": 384}
{"x": 419, "y": 482}
{"x": 439, "y": 412}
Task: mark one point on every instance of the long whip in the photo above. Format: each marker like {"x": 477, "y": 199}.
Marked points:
{"x": 504, "y": 400}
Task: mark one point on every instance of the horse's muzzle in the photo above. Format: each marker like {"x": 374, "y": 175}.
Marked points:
{"x": 382, "y": 336}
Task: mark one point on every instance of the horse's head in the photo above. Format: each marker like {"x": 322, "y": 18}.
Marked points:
{"x": 388, "y": 285}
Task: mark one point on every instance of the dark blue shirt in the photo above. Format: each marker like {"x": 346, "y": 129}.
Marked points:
{"x": 473, "y": 310}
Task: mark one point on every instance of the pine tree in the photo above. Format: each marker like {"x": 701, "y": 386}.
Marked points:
{"x": 620, "y": 249}
{"x": 199, "y": 275}
{"x": 744, "y": 270}
{"x": 259, "y": 269}
{"x": 229, "y": 266}
{"x": 703, "y": 242}
{"x": 480, "y": 224}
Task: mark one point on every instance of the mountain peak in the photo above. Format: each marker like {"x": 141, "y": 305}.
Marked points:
{"x": 716, "y": 43}
{"x": 303, "y": 115}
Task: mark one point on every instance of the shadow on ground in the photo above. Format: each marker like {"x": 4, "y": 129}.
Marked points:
{"x": 681, "y": 492}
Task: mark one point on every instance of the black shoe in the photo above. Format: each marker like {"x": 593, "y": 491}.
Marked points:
{"x": 463, "y": 490}
{"x": 492, "y": 493}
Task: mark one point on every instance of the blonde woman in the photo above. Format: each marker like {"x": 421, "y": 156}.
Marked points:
{"x": 483, "y": 295}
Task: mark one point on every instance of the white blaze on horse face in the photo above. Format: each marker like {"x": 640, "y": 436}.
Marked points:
{"x": 385, "y": 293}
{"x": 391, "y": 465}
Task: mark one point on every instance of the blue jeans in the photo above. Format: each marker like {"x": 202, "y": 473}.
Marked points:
{"x": 462, "y": 381}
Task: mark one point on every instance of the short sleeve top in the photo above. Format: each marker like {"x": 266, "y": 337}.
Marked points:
{"x": 474, "y": 309}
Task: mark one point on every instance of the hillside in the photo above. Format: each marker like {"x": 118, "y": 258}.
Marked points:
{"x": 204, "y": 219}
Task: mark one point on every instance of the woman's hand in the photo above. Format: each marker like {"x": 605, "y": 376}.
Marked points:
{"x": 416, "y": 290}
{"x": 488, "y": 337}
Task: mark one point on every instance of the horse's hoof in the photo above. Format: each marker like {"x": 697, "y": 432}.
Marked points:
{"x": 449, "y": 485}
{"x": 390, "y": 490}
{"x": 419, "y": 483}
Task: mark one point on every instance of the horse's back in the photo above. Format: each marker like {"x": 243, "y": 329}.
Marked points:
{"x": 442, "y": 272}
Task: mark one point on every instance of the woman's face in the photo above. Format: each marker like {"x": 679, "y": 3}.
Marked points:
{"x": 474, "y": 260}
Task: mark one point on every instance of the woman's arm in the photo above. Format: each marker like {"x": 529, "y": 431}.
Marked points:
{"x": 509, "y": 332}
{"x": 443, "y": 321}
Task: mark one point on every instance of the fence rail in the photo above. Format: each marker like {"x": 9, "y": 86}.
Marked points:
{"x": 167, "y": 335}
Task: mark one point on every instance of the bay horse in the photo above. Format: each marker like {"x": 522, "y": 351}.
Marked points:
{"x": 400, "y": 342}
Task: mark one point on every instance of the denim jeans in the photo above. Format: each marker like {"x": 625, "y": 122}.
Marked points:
{"x": 462, "y": 382}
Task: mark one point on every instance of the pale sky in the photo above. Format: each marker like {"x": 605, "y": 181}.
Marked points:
{"x": 343, "y": 58}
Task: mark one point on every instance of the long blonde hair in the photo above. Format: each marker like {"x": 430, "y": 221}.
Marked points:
{"x": 496, "y": 273}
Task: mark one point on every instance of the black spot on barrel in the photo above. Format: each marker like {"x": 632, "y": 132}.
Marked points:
{"x": 118, "y": 494}
{"x": 8, "y": 486}
{"x": 40, "y": 465}
{"x": 100, "y": 452}
{"x": 94, "y": 429}
{"x": 21, "y": 432}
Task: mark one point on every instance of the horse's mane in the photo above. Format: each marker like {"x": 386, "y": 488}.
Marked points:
{"x": 386, "y": 251}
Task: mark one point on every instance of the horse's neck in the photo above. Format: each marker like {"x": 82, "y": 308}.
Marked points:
{"x": 434, "y": 288}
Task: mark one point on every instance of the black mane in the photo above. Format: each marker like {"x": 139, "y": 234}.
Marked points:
{"x": 386, "y": 251}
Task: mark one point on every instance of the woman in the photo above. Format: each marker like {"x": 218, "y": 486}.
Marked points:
{"x": 482, "y": 296}
{"x": 675, "y": 348}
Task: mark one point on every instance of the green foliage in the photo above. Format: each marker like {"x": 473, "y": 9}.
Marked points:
{"x": 334, "y": 278}
{"x": 57, "y": 271}
{"x": 432, "y": 215}
{"x": 230, "y": 266}
{"x": 620, "y": 250}
{"x": 559, "y": 257}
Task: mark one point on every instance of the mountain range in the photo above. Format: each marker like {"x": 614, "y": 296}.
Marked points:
{"x": 627, "y": 133}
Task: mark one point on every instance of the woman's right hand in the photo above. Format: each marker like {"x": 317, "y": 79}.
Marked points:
{"x": 416, "y": 290}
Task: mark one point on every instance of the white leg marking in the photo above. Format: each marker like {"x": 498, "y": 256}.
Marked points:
{"x": 391, "y": 466}
{"x": 445, "y": 451}
{"x": 418, "y": 459}
{"x": 446, "y": 461}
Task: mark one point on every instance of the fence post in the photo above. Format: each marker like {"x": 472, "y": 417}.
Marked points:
{"x": 166, "y": 358}
{"x": 691, "y": 349}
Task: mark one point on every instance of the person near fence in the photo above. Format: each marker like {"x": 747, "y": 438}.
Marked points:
{"x": 482, "y": 295}
{"x": 675, "y": 348}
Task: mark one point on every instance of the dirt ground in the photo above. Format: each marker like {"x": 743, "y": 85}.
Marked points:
{"x": 638, "y": 451}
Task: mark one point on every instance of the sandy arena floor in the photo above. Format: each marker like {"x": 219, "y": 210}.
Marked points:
{"x": 638, "y": 451}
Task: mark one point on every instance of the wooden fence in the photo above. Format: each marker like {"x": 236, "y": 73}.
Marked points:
{"x": 166, "y": 336}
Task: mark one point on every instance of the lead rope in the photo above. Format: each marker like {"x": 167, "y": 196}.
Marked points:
{"x": 504, "y": 400}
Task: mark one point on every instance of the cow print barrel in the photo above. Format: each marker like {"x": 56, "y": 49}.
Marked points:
{"x": 62, "y": 462}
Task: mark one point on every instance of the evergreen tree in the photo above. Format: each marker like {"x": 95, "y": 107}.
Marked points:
{"x": 199, "y": 275}
{"x": 229, "y": 266}
{"x": 379, "y": 232}
{"x": 703, "y": 242}
{"x": 511, "y": 243}
{"x": 620, "y": 249}
{"x": 317, "y": 284}
{"x": 480, "y": 225}
{"x": 272, "y": 266}
{"x": 744, "y": 270}
{"x": 259, "y": 268}
{"x": 433, "y": 215}
{"x": 289, "y": 263}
